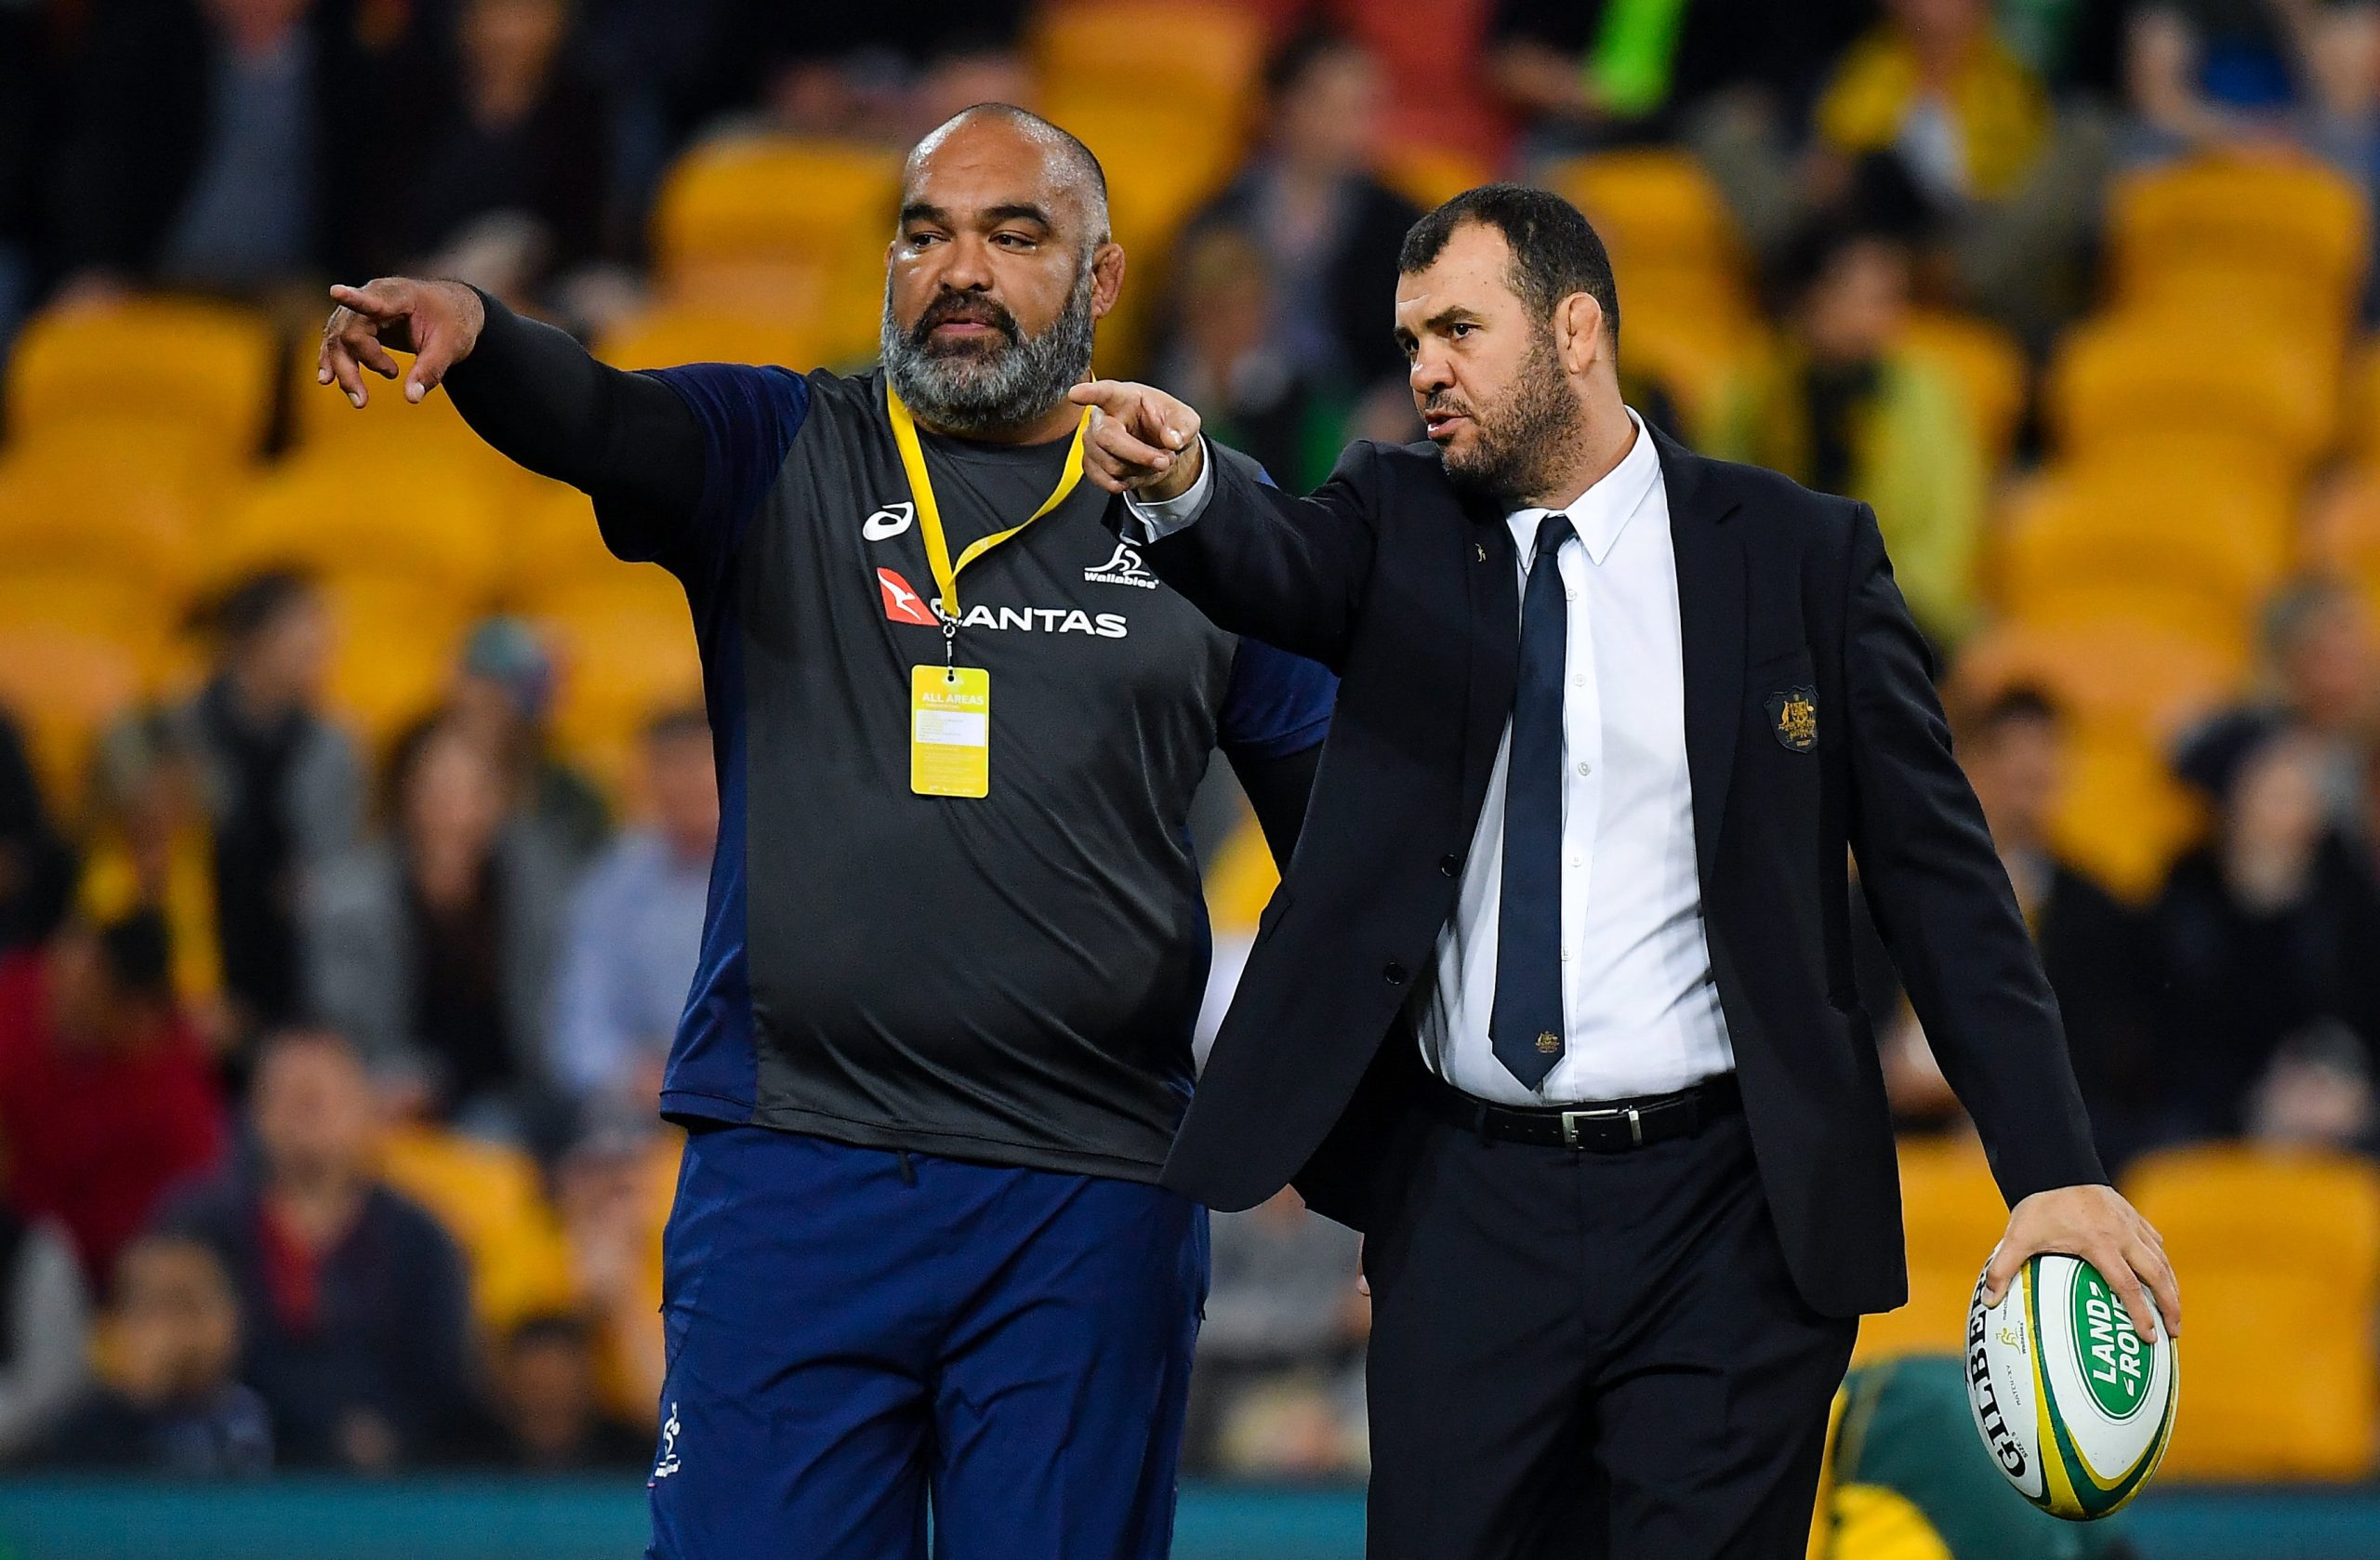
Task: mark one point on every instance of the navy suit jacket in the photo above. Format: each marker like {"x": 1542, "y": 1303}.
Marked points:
{"x": 1812, "y": 729}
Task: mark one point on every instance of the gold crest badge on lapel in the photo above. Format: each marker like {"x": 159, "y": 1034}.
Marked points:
{"x": 1793, "y": 716}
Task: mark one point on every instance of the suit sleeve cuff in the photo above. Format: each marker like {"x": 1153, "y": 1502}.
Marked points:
{"x": 1155, "y": 520}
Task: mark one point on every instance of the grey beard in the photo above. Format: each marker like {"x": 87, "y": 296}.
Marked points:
{"x": 991, "y": 393}
{"x": 1521, "y": 441}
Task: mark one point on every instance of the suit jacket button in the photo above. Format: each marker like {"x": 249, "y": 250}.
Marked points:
{"x": 1449, "y": 866}
{"x": 1395, "y": 973}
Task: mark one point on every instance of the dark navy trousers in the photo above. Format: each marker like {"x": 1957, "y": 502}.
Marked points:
{"x": 856, "y": 1336}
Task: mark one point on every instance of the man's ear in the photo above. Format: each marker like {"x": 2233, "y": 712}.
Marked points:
{"x": 1107, "y": 278}
{"x": 1578, "y": 330}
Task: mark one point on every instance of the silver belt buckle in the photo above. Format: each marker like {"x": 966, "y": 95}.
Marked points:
{"x": 1571, "y": 1120}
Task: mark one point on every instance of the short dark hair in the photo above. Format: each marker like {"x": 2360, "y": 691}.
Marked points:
{"x": 137, "y": 951}
{"x": 1287, "y": 66}
{"x": 1555, "y": 249}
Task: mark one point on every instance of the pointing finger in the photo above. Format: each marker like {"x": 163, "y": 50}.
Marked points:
{"x": 378, "y": 302}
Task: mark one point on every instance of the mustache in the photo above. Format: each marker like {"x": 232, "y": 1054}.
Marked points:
{"x": 1442, "y": 402}
{"x": 950, "y": 308}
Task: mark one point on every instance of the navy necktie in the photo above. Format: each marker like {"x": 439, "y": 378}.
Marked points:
{"x": 1525, "y": 1029}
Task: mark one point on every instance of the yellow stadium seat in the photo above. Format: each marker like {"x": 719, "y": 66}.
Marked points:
{"x": 70, "y": 503}
{"x": 2201, "y": 234}
{"x": 64, "y": 686}
{"x": 1953, "y": 1216}
{"x": 1694, "y": 353}
{"x": 1664, "y": 221}
{"x": 394, "y": 514}
{"x": 2074, "y": 541}
{"x": 1241, "y": 877}
{"x": 1986, "y": 365}
{"x": 206, "y": 366}
{"x": 1431, "y": 176}
{"x": 551, "y": 538}
{"x": 678, "y": 333}
{"x": 1199, "y": 55}
{"x": 2121, "y": 816}
{"x": 793, "y": 229}
{"x": 491, "y": 1200}
{"x": 395, "y": 643}
{"x": 2279, "y": 1258}
{"x": 2148, "y": 387}
{"x": 626, "y": 644}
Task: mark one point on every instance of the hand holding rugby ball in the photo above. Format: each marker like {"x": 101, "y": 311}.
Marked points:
{"x": 2073, "y": 1403}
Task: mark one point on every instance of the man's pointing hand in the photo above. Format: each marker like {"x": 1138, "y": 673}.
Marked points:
{"x": 1142, "y": 441}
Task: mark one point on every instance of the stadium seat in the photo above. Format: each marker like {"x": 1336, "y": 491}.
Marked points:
{"x": 396, "y": 640}
{"x": 204, "y": 366}
{"x": 1430, "y": 176}
{"x": 626, "y": 644}
{"x": 2279, "y": 1256}
{"x": 1986, "y": 365}
{"x": 2127, "y": 689}
{"x": 1666, "y": 223}
{"x": 1240, "y": 878}
{"x": 2155, "y": 388}
{"x": 550, "y": 537}
{"x": 492, "y": 1200}
{"x": 792, "y": 228}
{"x": 2110, "y": 541}
{"x": 680, "y": 333}
{"x": 70, "y": 503}
{"x": 1953, "y": 1216}
{"x": 63, "y": 685}
{"x": 393, "y": 514}
{"x": 1198, "y": 56}
{"x": 2290, "y": 236}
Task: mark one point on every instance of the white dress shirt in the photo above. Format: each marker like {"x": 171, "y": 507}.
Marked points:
{"x": 1640, "y": 1011}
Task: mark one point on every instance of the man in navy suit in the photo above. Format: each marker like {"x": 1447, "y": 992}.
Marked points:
{"x": 1555, "y": 1002}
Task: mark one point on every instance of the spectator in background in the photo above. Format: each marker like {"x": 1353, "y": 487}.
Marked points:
{"x": 151, "y": 851}
{"x": 1935, "y": 88}
{"x": 434, "y": 948}
{"x": 636, "y": 928}
{"x": 2216, "y": 74}
{"x": 44, "y": 1333}
{"x": 216, "y": 144}
{"x": 1839, "y": 405}
{"x": 279, "y": 783}
{"x": 357, "y": 1322}
{"x": 1276, "y": 1388}
{"x": 177, "y": 1407}
{"x": 1224, "y": 357}
{"x": 508, "y": 189}
{"x": 605, "y": 1191}
{"x": 37, "y": 865}
{"x": 106, "y": 1097}
{"x": 2095, "y": 949}
{"x": 503, "y": 698}
{"x": 1328, "y": 229}
{"x": 547, "y": 1416}
{"x": 2320, "y": 676}
{"x": 2257, "y": 929}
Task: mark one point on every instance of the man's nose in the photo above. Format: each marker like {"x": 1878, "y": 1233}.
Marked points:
{"x": 969, "y": 268}
{"x": 1428, "y": 373}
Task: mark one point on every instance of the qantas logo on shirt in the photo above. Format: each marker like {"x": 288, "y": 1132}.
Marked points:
{"x": 888, "y": 522}
{"x": 901, "y": 603}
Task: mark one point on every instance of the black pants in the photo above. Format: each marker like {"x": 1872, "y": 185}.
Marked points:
{"x": 1582, "y": 1357}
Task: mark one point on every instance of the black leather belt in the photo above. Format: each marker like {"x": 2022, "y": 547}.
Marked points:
{"x": 1604, "y": 1126}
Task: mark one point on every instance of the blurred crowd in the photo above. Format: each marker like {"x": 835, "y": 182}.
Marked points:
{"x": 328, "y": 1065}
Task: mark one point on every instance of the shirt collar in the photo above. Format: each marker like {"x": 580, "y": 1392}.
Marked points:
{"x": 1602, "y": 512}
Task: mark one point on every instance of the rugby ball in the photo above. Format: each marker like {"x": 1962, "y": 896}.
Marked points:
{"x": 2072, "y": 1402}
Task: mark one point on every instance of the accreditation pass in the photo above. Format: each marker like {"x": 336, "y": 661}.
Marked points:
{"x": 950, "y": 731}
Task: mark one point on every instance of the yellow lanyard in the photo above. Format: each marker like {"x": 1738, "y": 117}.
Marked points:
{"x": 913, "y": 461}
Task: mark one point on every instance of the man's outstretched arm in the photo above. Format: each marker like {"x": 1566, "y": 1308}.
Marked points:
{"x": 676, "y": 459}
